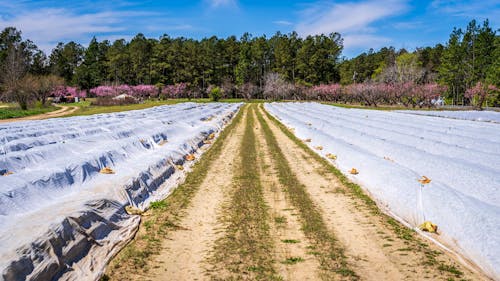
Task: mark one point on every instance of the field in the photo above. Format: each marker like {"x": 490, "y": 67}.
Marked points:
{"x": 194, "y": 189}
{"x": 392, "y": 150}
{"x": 98, "y": 164}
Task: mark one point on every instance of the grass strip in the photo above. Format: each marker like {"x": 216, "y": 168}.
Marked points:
{"x": 399, "y": 229}
{"x": 163, "y": 215}
{"x": 331, "y": 255}
{"x": 244, "y": 251}
{"x": 8, "y": 112}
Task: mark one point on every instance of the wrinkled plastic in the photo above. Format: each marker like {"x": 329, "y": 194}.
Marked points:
{"x": 393, "y": 150}
{"x": 59, "y": 216}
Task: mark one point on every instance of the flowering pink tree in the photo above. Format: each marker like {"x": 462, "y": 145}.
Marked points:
{"x": 63, "y": 91}
{"x": 104, "y": 91}
{"x": 480, "y": 92}
{"x": 328, "y": 92}
{"x": 174, "y": 91}
{"x": 144, "y": 91}
{"x": 139, "y": 91}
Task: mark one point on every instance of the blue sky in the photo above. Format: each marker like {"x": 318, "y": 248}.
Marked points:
{"x": 363, "y": 24}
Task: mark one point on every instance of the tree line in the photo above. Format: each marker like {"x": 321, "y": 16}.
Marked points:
{"x": 241, "y": 66}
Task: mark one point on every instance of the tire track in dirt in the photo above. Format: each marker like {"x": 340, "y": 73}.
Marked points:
{"x": 372, "y": 247}
{"x": 185, "y": 250}
{"x": 63, "y": 111}
{"x": 245, "y": 250}
{"x": 292, "y": 248}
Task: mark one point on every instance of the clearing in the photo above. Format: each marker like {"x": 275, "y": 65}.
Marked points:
{"x": 62, "y": 111}
{"x": 261, "y": 205}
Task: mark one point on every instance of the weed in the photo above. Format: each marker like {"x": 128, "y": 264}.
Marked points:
{"x": 280, "y": 220}
{"x": 452, "y": 269}
{"x": 290, "y": 241}
{"x": 158, "y": 205}
{"x": 292, "y": 260}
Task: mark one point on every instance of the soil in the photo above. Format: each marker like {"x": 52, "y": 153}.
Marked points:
{"x": 373, "y": 248}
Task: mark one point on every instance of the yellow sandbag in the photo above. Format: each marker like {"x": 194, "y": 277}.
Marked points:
{"x": 106, "y": 171}
{"x": 211, "y": 136}
{"x": 319, "y": 147}
{"x": 131, "y": 210}
{"x": 190, "y": 157}
{"x": 179, "y": 167}
{"x": 331, "y": 156}
{"x": 7, "y": 173}
{"x": 353, "y": 171}
{"x": 162, "y": 142}
{"x": 424, "y": 180}
{"x": 429, "y": 227}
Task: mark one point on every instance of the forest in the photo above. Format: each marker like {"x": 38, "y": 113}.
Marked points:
{"x": 284, "y": 66}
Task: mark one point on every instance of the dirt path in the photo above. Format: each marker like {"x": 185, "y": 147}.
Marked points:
{"x": 185, "y": 251}
{"x": 263, "y": 207}
{"x": 290, "y": 241}
{"x": 63, "y": 111}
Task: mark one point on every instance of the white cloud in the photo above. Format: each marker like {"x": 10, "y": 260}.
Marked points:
{"x": 283, "y": 22}
{"x": 468, "y": 8}
{"x": 48, "y": 26}
{"x": 219, "y": 3}
{"x": 353, "y": 20}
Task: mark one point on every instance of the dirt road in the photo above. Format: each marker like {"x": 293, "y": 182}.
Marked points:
{"x": 260, "y": 205}
{"x": 63, "y": 111}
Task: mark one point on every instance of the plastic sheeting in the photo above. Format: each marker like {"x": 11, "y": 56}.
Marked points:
{"x": 60, "y": 217}
{"x": 482, "y": 116}
{"x": 392, "y": 151}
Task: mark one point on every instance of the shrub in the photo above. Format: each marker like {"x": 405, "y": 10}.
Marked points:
{"x": 215, "y": 93}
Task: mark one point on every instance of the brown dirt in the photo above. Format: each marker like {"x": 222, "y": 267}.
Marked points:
{"x": 63, "y": 111}
{"x": 185, "y": 251}
{"x": 286, "y": 230}
{"x": 374, "y": 249}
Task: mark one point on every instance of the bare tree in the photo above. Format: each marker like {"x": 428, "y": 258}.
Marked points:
{"x": 248, "y": 90}
{"x": 14, "y": 70}
{"x": 44, "y": 86}
{"x": 276, "y": 87}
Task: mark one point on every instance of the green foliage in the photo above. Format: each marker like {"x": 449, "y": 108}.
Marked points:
{"x": 469, "y": 57}
{"x": 158, "y": 205}
{"x": 215, "y": 94}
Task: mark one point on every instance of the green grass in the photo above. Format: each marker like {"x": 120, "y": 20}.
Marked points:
{"x": 292, "y": 260}
{"x": 290, "y": 241}
{"x": 158, "y": 205}
{"x": 247, "y": 241}
{"x": 15, "y": 112}
{"x": 164, "y": 217}
{"x": 331, "y": 258}
{"x": 280, "y": 220}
